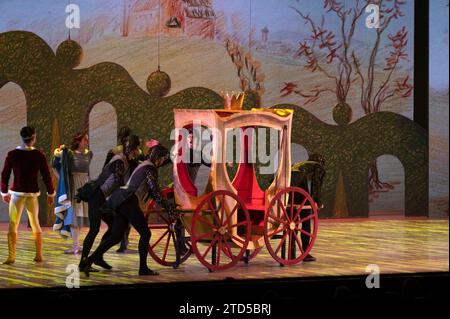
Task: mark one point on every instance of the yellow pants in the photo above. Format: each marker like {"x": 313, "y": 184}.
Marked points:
{"x": 16, "y": 206}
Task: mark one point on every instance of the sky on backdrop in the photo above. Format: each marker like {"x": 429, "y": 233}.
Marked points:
{"x": 277, "y": 15}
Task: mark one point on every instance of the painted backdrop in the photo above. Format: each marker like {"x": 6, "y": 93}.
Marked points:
{"x": 287, "y": 52}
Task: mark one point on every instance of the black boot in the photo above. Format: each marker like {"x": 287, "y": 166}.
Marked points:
{"x": 102, "y": 263}
{"x": 309, "y": 258}
{"x": 86, "y": 266}
{"x": 83, "y": 265}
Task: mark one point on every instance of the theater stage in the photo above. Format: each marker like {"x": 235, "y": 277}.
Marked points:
{"x": 344, "y": 248}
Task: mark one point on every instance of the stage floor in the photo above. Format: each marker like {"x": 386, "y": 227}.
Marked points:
{"x": 343, "y": 247}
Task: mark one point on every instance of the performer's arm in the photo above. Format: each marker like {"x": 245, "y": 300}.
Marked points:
{"x": 154, "y": 190}
{"x": 320, "y": 177}
{"x": 117, "y": 168}
{"x": 47, "y": 177}
{"x": 6, "y": 174}
{"x": 109, "y": 156}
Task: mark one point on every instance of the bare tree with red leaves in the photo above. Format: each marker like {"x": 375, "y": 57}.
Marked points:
{"x": 248, "y": 68}
{"x": 335, "y": 56}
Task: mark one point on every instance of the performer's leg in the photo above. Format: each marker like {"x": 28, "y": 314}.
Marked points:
{"x": 32, "y": 204}
{"x": 124, "y": 242}
{"x": 75, "y": 232}
{"x": 117, "y": 230}
{"x": 94, "y": 225}
{"x": 306, "y": 226}
{"x": 139, "y": 223}
{"x": 108, "y": 218}
{"x": 15, "y": 211}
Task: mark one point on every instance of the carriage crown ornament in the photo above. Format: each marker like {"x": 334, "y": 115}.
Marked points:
{"x": 233, "y": 101}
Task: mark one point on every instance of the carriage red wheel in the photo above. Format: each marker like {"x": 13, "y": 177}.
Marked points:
{"x": 163, "y": 239}
{"x": 284, "y": 224}
{"x": 220, "y": 223}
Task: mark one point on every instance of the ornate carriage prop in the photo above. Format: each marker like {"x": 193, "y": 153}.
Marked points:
{"x": 235, "y": 219}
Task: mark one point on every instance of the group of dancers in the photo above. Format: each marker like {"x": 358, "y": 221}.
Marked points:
{"x": 118, "y": 196}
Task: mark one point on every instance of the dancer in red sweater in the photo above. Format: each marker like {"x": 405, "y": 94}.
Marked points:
{"x": 25, "y": 162}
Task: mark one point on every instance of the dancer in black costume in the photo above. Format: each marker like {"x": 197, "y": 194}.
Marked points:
{"x": 308, "y": 175}
{"x": 122, "y": 135}
{"x": 129, "y": 201}
{"x": 113, "y": 175}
